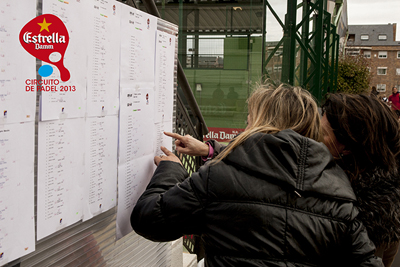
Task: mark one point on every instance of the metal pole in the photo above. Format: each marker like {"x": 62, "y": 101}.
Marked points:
{"x": 264, "y": 26}
{"x": 289, "y": 44}
{"x": 332, "y": 83}
{"x": 304, "y": 37}
{"x": 319, "y": 41}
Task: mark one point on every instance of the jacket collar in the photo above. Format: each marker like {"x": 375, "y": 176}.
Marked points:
{"x": 294, "y": 160}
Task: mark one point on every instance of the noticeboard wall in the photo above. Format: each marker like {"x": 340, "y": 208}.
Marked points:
{"x": 86, "y": 89}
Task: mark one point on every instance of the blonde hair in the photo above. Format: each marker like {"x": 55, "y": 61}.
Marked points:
{"x": 274, "y": 109}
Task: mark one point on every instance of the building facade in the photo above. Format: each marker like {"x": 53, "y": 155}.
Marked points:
{"x": 378, "y": 44}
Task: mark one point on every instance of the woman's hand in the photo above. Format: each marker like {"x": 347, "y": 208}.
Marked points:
{"x": 189, "y": 145}
{"x": 168, "y": 156}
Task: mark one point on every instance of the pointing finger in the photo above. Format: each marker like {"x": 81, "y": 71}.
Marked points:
{"x": 173, "y": 135}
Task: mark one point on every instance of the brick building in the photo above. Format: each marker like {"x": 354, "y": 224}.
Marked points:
{"x": 378, "y": 44}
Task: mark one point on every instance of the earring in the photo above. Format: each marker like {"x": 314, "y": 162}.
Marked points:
{"x": 341, "y": 155}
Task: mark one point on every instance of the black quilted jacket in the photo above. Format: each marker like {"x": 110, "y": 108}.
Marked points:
{"x": 276, "y": 200}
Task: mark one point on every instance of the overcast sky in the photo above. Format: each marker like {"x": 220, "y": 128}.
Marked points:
{"x": 366, "y": 12}
{"x": 359, "y": 12}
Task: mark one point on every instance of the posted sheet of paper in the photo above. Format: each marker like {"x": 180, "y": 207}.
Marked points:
{"x": 103, "y": 60}
{"x": 100, "y": 185}
{"x": 164, "y": 76}
{"x": 137, "y": 47}
{"x": 17, "y": 221}
{"x": 17, "y": 67}
{"x": 136, "y": 130}
{"x": 133, "y": 178}
{"x": 136, "y": 164}
{"x": 160, "y": 138}
{"x": 60, "y": 174}
{"x": 70, "y": 100}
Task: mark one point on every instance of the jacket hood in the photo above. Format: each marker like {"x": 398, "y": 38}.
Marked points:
{"x": 378, "y": 200}
{"x": 294, "y": 160}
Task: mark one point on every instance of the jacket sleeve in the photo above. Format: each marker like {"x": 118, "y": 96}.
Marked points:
{"x": 362, "y": 248}
{"x": 217, "y": 147}
{"x": 171, "y": 205}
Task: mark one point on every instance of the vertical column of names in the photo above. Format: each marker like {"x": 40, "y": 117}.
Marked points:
{"x": 103, "y": 60}
{"x": 17, "y": 232}
{"x": 60, "y": 174}
{"x": 100, "y": 183}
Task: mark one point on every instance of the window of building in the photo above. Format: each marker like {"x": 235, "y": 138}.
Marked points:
{"x": 381, "y": 88}
{"x": 351, "y": 38}
{"x": 367, "y": 54}
{"x": 364, "y": 37}
{"x": 382, "y": 70}
{"x": 352, "y": 52}
{"x": 369, "y": 69}
{"x": 382, "y": 54}
{"x": 398, "y": 71}
{"x": 398, "y": 54}
{"x": 382, "y": 37}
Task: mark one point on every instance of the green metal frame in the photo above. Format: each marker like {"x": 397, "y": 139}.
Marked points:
{"x": 316, "y": 69}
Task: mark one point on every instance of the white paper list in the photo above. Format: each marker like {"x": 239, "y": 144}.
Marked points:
{"x": 136, "y": 153}
{"x": 164, "y": 76}
{"x": 136, "y": 124}
{"x": 160, "y": 138}
{"x": 133, "y": 178}
{"x": 60, "y": 174}
{"x": 137, "y": 47}
{"x": 103, "y": 59}
{"x": 100, "y": 185}
{"x": 17, "y": 67}
{"x": 17, "y": 223}
{"x": 71, "y": 102}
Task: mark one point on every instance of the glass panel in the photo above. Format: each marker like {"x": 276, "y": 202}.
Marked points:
{"x": 274, "y": 30}
{"x": 220, "y": 49}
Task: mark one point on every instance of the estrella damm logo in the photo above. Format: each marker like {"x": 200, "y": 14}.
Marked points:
{"x": 46, "y": 38}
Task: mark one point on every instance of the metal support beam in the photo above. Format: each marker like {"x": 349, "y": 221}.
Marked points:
{"x": 289, "y": 44}
{"x": 305, "y": 28}
{"x": 316, "y": 69}
{"x": 318, "y": 48}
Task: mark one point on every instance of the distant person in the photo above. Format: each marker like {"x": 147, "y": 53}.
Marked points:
{"x": 232, "y": 94}
{"x": 385, "y": 99}
{"x": 273, "y": 197}
{"x": 231, "y": 98}
{"x": 374, "y": 91}
{"x": 218, "y": 96}
{"x": 394, "y": 100}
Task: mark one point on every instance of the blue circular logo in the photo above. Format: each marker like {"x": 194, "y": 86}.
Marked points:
{"x": 45, "y": 70}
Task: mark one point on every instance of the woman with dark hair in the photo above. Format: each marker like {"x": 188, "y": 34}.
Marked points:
{"x": 273, "y": 197}
{"x": 363, "y": 135}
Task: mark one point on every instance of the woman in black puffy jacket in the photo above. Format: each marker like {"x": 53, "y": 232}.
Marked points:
{"x": 273, "y": 197}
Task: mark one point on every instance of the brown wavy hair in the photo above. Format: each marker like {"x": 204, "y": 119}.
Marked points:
{"x": 273, "y": 109}
{"x": 368, "y": 129}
